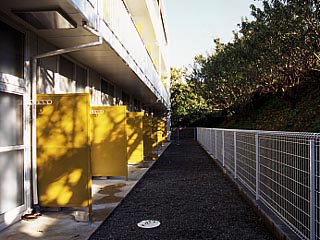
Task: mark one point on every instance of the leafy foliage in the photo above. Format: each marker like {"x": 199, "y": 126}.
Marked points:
{"x": 269, "y": 112}
{"x": 272, "y": 54}
{"x": 186, "y": 105}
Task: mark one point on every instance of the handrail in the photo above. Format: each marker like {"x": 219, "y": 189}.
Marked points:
{"x": 115, "y": 15}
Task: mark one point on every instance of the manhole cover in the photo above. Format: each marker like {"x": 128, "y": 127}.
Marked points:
{"x": 149, "y": 224}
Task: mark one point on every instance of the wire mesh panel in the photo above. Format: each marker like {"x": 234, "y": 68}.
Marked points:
{"x": 317, "y": 190}
{"x": 246, "y": 159}
{"x": 285, "y": 179}
{"x": 219, "y": 145}
{"x": 203, "y": 137}
{"x": 210, "y": 141}
{"x": 213, "y": 142}
{"x": 207, "y": 139}
{"x": 229, "y": 150}
{"x": 200, "y": 135}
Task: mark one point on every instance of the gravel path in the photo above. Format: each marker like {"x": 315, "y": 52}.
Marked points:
{"x": 191, "y": 198}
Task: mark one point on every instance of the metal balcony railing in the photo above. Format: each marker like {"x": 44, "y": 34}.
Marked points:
{"x": 116, "y": 16}
{"x": 112, "y": 20}
{"x": 281, "y": 169}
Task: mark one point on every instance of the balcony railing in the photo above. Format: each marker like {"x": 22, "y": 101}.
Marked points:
{"x": 281, "y": 169}
{"x": 113, "y": 21}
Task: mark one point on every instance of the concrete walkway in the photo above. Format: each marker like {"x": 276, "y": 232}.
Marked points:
{"x": 62, "y": 223}
{"x": 191, "y": 198}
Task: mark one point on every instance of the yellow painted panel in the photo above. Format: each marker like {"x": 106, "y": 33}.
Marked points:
{"x": 109, "y": 141}
{"x": 149, "y": 136}
{"x": 164, "y": 130}
{"x": 139, "y": 28}
{"x": 161, "y": 131}
{"x": 63, "y": 150}
{"x": 148, "y": 47}
{"x": 135, "y": 137}
{"x": 159, "y": 134}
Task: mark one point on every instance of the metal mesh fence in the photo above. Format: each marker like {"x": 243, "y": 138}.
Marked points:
{"x": 284, "y": 179}
{"x": 229, "y": 151}
{"x": 282, "y": 169}
{"x": 246, "y": 159}
{"x": 219, "y": 146}
{"x": 317, "y": 190}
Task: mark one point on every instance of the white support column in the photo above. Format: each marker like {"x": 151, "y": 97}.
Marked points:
{"x": 235, "y": 153}
{"x": 223, "y": 148}
{"x": 312, "y": 190}
{"x": 257, "y": 165}
{"x": 210, "y": 142}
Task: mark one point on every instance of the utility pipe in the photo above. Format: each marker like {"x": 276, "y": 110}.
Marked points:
{"x": 34, "y": 104}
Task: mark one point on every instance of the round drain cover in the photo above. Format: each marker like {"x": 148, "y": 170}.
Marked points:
{"x": 149, "y": 224}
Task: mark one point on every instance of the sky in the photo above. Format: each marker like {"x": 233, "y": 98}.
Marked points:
{"x": 193, "y": 24}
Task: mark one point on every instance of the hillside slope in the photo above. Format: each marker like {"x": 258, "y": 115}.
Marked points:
{"x": 272, "y": 112}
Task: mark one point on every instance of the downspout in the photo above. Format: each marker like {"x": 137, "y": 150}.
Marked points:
{"x": 34, "y": 105}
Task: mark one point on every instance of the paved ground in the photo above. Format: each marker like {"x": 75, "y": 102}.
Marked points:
{"x": 62, "y": 223}
{"x": 192, "y": 199}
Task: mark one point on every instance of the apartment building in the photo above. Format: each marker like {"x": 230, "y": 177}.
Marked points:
{"x": 113, "y": 51}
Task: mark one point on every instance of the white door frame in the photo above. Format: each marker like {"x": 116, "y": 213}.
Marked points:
{"x": 12, "y": 85}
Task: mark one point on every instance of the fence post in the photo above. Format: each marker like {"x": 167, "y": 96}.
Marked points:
{"x": 312, "y": 190}
{"x": 257, "y": 165}
{"x": 222, "y": 148}
{"x": 210, "y": 142}
{"x": 235, "y": 153}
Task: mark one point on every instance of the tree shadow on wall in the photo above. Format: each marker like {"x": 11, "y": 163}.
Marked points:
{"x": 63, "y": 150}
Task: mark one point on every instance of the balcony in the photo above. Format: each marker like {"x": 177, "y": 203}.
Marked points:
{"x": 148, "y": 18}
{"x": 122, "y": 58}
{"x": 119, "y": 31}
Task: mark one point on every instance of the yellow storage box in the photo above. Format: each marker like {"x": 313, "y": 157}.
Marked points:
{"x": 135, "y": 137}
{"x": 63, "y": 150}
{"x": 109, "y": 141}
{"x": 149, "y": 137}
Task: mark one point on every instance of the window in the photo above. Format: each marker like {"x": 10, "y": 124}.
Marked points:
{"x": 11, "y": 51}
{"x": 125, "y": 98}
{"x": 11, "y": 152}
{"x": 111, "y": 90}
{"x": 137, "y": 105}
{"x": 67, "y": 68}
{"x": 107, "y": 96}
{"x": 11, "y": 120}
{"x": 104, "y": 86}
{"x": 81, "y": 79}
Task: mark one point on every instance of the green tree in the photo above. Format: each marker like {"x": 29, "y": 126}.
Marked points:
{"x": 186, "y": 105}
{"x": 270, "y": 54}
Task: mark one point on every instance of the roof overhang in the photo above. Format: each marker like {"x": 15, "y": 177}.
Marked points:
{"x": 50, "y": 19}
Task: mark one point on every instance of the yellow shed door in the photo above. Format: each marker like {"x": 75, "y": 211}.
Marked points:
{"x": 135, "y": 137}
{"x": 109, "y": 141}
{"x": 63, "y": 150}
